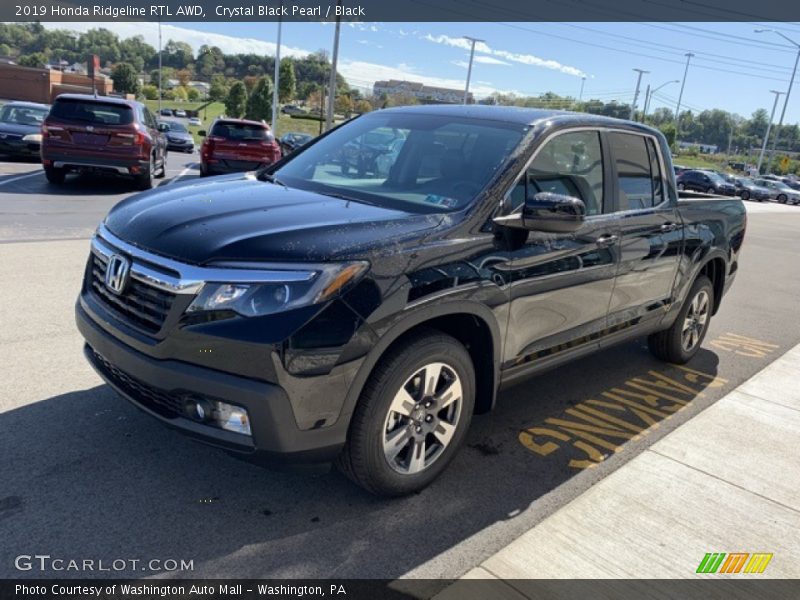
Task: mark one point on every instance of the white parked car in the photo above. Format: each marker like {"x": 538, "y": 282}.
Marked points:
{"x": 180, "y": 113}
{"x": 779, "y": 191}
{"x": 195, "y": 121}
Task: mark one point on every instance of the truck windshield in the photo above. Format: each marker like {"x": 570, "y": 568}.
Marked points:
{"x": 419, "y": 163}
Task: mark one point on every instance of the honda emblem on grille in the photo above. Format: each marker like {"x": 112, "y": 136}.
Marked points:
{"x": 117, "y": 272}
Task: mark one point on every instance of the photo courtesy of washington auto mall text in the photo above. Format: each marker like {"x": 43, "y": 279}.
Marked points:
{"x": 414, "y": 300}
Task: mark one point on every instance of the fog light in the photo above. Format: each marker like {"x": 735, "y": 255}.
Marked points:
{"x": 232, "y": 418}
{"x": 199, "y": 409}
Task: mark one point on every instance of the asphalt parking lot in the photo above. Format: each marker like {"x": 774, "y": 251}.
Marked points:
{"x": 84, "y": 475}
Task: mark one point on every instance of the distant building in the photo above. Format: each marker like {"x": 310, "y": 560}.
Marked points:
{"x": 420, "y": 91}
{"x": 201, "y": 86}
{"x": 43, "y": 85}
{"x": 700, "y": 147}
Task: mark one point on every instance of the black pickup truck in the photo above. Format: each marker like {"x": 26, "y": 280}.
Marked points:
{"x": 315, "y": 315}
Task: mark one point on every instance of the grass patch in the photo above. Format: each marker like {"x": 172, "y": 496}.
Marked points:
{"x": 700, "y": 161}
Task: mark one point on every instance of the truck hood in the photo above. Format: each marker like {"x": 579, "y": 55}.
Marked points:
{"x": 238, "y": 217}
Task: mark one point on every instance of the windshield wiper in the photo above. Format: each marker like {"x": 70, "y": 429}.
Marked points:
{"x": 270, "y": 178}
{"x": 347, "y": 198}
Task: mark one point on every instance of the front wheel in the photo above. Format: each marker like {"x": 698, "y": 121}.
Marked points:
{"x": 710, "y": 190}
{"x": 412, "y": 416}
{"x": 682, "y": 340}
{"x": 745, "y": 195}
{"x": 681, "y": 187}
{"x": 782, "y": 198}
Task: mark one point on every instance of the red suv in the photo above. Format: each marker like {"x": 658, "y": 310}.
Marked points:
{"x": 237, "y": 145}
{"x": 90, "y": 133}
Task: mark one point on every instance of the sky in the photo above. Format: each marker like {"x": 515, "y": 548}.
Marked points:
{"x": 734, "y": 68}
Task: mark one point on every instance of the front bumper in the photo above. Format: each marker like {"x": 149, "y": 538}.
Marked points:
{"x": 20, "y": 148}
{"x": 180, "y": 145}
{"x": 158, "y": 386}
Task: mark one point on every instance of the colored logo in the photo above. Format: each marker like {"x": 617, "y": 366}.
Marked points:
{"x": 734, "y": 562}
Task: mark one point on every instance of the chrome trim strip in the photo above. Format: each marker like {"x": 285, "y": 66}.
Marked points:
{"x": 60, "y": 163}
{"x": 191, "y": 277}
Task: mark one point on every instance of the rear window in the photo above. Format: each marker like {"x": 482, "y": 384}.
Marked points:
{"x": 241, "y": 131}
{"x": 93, "y": 112}
{"x": 22, "y": 115}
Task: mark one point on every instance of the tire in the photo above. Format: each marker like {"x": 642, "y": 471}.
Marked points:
{"x": 782, "y": 198}
{"x": 55, "y": 175}
{"x": 145, "y": 180}
{"x": 710, "y": 190}
{"x": 681, "y": 187}
{"x": 369, "y": 458}
{"x": 163, "y": 171}
{"x": 745, "y": 195}
{"x": 690, "y": 326}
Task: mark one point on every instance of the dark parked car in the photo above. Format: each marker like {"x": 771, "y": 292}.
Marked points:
{"x": 166, "y": 112}
{"x": 21, "y": 129}
{"x": 178, "y": 137}
{"x": 110, "y": 135}
{"x": 748, "y": 189}
{"x": 237, "y": 145}
{"x": 705, "y": 181}
{"x": 291, "y": 109}
{"x": 293, "y": 140}
{"x": 307, "y": 315}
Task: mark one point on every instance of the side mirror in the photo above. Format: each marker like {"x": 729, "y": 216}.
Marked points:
{"x": 549, "y": 213}
{"x": 202, "y": 133}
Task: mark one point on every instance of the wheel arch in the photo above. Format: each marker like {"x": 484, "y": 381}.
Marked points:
{"x": 714, "y": 269}
{"x": 474, "y": 325}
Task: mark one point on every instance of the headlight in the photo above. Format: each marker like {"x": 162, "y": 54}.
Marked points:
{"x": 301, "y": 286}
{"x": 33, "y": 137}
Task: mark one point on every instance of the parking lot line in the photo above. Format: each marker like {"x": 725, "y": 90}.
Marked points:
{"x": 13, "y": 179}
{"x": 182, "y": 173}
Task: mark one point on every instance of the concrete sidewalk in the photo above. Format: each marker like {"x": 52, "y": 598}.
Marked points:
{"x": 726, "y": 481}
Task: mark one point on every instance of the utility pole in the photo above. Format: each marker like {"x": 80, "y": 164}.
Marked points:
{"x": 159, "y": 68}
{"x": 277, "y": 79}
{"x": 788, "y": 92}
{"x": 646, "y": 102}
{"x": 334, "y": 60}
{"x": 472, "y": 41}
{"x": 689, "y": 56}
{"x": 769, "y": 126}
{"x": 580, "y": 96}
{"x": 636, "y": 93}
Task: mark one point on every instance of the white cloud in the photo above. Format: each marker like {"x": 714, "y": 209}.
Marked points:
{"x": 483, "y": 48}
{"x": 488, "y": 60}
{"x": 227, "y": 43}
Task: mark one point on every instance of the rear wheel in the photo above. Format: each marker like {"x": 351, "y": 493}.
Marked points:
{"x": 682, "y": 340}
{"x": 145, "y": 180}
{"x": 412, "y": 416}
{"x": 162, "y": 172}
{"x": 681, "y": 187}
{"x": 55, "y": 175}
{"x": 782, "y": 198}
{"x": 745, "y": 195}
{"x": 710, "y": 190}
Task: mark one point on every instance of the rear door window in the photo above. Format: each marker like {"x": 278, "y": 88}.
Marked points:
{"x": 638, "y": 173}
{"x": 92, "y": 112}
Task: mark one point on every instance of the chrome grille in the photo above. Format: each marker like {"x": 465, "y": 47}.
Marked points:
{"x": 143, "y": 306}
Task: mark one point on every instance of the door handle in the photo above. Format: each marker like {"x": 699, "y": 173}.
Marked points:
{"x": 669, "y": 226}
{"x": 609, "y": 239}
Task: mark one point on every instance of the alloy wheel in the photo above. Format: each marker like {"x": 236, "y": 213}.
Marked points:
{"x": 422, "y": 418}
{"x": 695, "y": 321}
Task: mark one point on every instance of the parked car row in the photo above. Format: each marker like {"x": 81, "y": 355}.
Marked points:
{"x": 768, "y": 187}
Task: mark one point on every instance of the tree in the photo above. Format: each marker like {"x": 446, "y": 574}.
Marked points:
{"x": 126, "y": 78}
{"x": 177, "y": 54}
{"x": 181, "y": 93}
{"x": 236, "y": 102}
{"x": 287, "y": 88}
{"x": 193, "y": 94}
{"x": 184, "y": 76}
{"x": 362, "y": 106}
{"x": 219, "y": 88}
{"x": 37, "y": 60}
{"x": 668, "y": 129}
{"x": 150, "y": 92}
{"x": 136, "y": 51}
{"x": 259, "y": 105}
{"x": 343, "y": 105}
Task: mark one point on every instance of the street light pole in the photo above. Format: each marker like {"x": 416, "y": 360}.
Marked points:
{"x": 769, "y": 126}
{"x": 276, "y": 79}
{"x": 159, "y": 67}
{"x": 689, "y": 56}
{"x": 334, "y": 60}
{"x": 649, "y": 96}
{"x": 788, "y": 92}
{"x": 473, "y": 41}
{"x": 583, "y": 81}
{"x": 636, "y": 93}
